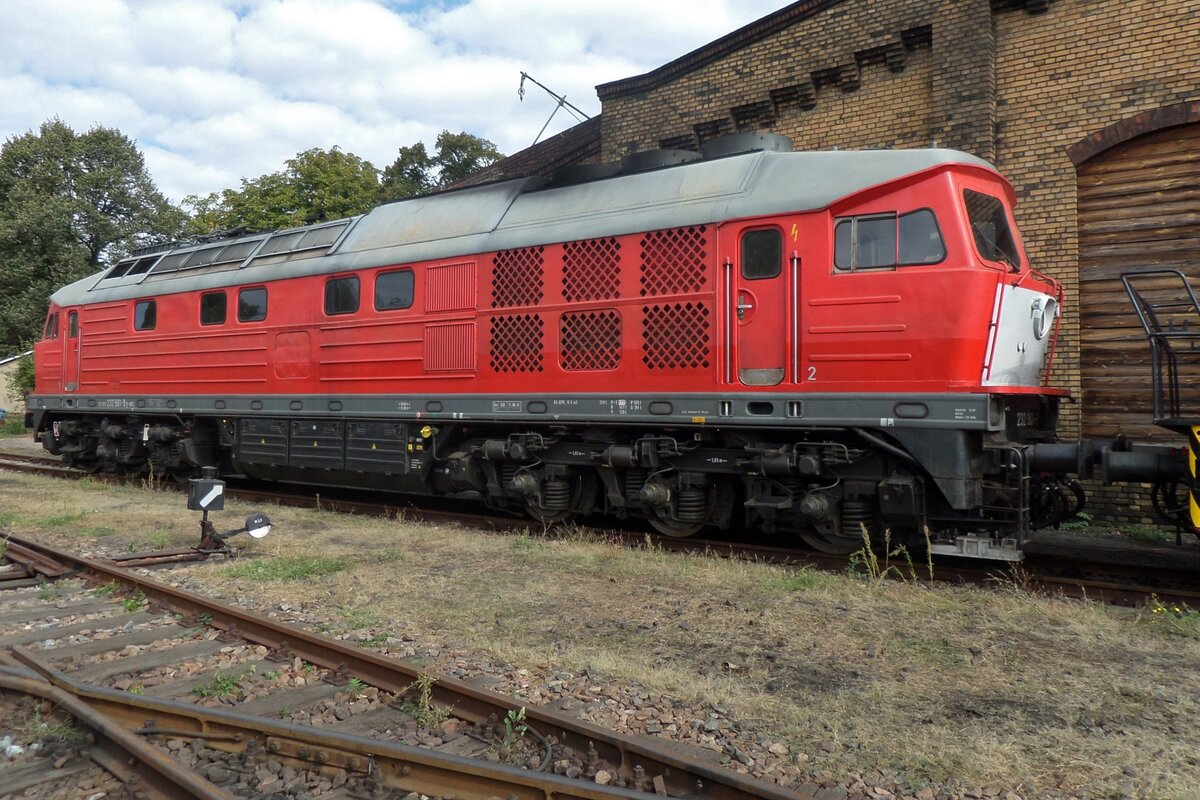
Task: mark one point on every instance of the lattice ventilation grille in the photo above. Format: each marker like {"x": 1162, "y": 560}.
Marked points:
{"x": 591, "y": 270}
{"x": 673, "y": 261}
{"x": 675, "y": 336}
{"x": 517, "y": 343}
{"x": 590, "y": 340}
{"x": 517, "y": 277}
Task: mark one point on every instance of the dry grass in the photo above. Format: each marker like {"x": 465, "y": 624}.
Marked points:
{"x": 987, "y": 687}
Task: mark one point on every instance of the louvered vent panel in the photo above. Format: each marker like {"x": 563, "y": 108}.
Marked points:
{"x": 590, "y": 340}
{"x": 675, "y": 336}
{"x": 450, "y": 347}
{"x": 517, "y": 343}
{"x": 517, "y": 277}
{"x": 591, "y": 270}
{"x": 673, "y": 261}
{"x": 450, "y": 287}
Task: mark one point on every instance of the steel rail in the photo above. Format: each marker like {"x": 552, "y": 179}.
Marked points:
{"x": 388, "y": 764}
{"x": 676, "y": 774}
{"x": 160, "y": 775}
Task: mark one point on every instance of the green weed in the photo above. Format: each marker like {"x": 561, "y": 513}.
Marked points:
{"x": 355, "y": 687}
{"x": 1175, "y": 619}
{"x": 422, "y": 708}
{"x": 287, "y": 568}
{"x": 223, "y": 684}
{"x": 804, "y": 579}
{"x": 64, "y": 520}
{"x": 50, "y": 591}
{"x": 134, "y": 602}
{"x": 106, "y": 590}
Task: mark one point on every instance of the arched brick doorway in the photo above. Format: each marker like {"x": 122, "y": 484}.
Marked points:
{"x": 1139, "y": 206}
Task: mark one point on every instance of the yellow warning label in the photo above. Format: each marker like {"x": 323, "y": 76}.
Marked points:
{"x": 699, "y": 420}
{"x": 1193, "y": 501}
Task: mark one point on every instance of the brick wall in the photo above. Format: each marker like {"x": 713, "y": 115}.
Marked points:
{"x": 1017, "y": 82}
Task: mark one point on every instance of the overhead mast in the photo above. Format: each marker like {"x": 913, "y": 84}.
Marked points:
{"x": 561, "y": 99}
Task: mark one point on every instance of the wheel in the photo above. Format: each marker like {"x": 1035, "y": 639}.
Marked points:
{"x": 676, "y": 529}
{"x": 832, "y": 543}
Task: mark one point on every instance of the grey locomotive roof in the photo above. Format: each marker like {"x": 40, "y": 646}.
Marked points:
{"x": 510, "y": 214}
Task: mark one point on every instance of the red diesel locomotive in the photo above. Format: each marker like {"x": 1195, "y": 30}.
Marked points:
{"x": 820, "y": 344}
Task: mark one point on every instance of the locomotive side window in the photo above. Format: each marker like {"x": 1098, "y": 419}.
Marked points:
{"x": 252, "y": 305}
{"x": 762, "y": 254}
{"x": 212, "y": 308}
{"x": 920, "y": 238}
{"x": 73, "y": 324}
{"x": 51, "y": 331}
{"x": 989, "y": 225}
{"x": 145, "y": 315}
{"x": 341, "y": 296}
{"x": 883, "y": 241}
{"x": 393, "y": 290}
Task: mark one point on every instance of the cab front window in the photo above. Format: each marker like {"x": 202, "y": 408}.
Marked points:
{"x": 990, "y": 229}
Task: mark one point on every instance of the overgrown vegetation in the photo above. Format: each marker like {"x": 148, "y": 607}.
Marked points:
{"x": 1040, "y": 696}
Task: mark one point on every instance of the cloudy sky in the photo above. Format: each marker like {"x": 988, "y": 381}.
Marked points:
{"x": 217, "y": 90}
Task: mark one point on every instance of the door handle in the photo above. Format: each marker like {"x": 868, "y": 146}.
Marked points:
{"x": 743, "y": 306}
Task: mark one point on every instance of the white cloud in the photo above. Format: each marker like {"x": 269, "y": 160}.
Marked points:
{"x": 217, "y": 90}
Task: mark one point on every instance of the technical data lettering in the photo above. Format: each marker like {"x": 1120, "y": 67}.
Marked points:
{"x": 507, "y": 406}
{"x": 404, "y": 405}
{"x": 622, "y": 406}
{"x": 966, "y": 414}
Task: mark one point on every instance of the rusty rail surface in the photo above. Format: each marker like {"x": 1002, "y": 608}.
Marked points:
{"x": 377, "y": 763}
{"x": 159, "y": 774}
{"x": 673, "y": 773}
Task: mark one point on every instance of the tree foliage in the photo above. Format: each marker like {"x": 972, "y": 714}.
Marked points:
{"x": 327, "y": 184}
{"x": 20, "y": 381}
{"x": 455, "y": 156}
{"x": 69, "y": 204}
{"x": 315, "y": 185}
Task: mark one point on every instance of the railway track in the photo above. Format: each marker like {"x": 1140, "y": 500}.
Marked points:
{"x": 1082, "y": 573}
{"x": 253, "y": 706}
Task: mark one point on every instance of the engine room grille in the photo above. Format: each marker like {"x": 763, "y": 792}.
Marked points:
{"x": 675, "y": 336}
{"x": 591, "y": 270}
{"x": 673, "y": 261}
{"x": 517, "y": 343}
{"x": 590, "y": 340}
{"x": 517, "y": 277}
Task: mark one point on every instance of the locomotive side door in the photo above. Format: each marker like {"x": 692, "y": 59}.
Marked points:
{"x": 759, "y": 300}
{"x": 70, "y": 353}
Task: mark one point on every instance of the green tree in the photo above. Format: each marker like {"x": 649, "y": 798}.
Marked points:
{"x": 315, "y": 185}
{"x": 69, "y": 204}
{"x": 461, "y": 154}
{"x": 410, "y": 174}
{"x": 455, "y": 156}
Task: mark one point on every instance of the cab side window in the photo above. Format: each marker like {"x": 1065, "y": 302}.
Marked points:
{"x": 887, "y": 241}
{"x": 51, "y": 331}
